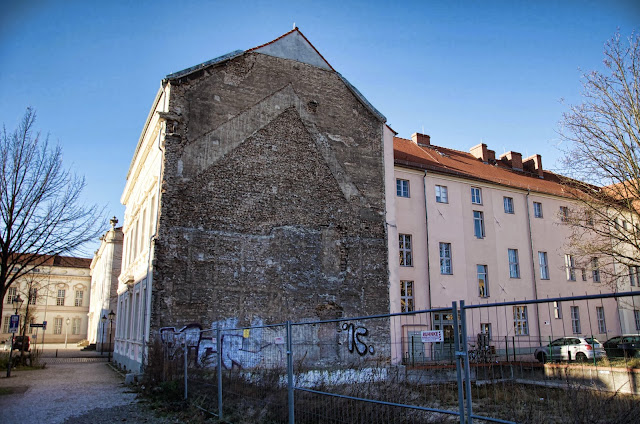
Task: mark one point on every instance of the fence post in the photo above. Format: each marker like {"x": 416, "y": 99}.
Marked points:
{"x": 458, "y": 356}
{"x": 219, "y": 349}
{"x": 290, "y": 375}
{"x": 467, "y": 369}
{"x": 186, "y": 360}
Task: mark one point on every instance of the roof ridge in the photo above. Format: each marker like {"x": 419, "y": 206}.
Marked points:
{"x": 295, "y": 29}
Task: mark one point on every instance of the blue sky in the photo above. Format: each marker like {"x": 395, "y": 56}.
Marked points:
{"x": 463, "y": 72}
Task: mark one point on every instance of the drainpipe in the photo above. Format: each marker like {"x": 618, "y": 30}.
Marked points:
{"x": 533, "y": 266}
{"x": 426, "y": 223}
{"x": 152, "y": 239}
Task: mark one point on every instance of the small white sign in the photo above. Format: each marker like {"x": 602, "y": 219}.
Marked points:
{"x": 279, "y": 340}
{"x": 431, "y": 336}
{"x": 546, "y": 323}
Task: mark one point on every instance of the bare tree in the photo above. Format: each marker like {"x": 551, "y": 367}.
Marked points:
{"x": 41, "y": 213}
{"x": 603, "y": 157}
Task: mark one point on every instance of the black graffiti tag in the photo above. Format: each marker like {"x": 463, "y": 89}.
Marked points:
{"x": 354, "y": 340}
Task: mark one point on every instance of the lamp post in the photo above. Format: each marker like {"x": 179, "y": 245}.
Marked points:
{"x": 111, "y": 316}
{"x": 104, "y": 321}
{"x": 66, "y": 334}
{"x": 17, "y": 303}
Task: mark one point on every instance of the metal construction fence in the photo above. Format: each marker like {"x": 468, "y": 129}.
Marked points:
{"x": 522, "y": 361}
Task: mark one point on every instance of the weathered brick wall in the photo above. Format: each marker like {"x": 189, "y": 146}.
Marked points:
{"x": 273, "y": 198}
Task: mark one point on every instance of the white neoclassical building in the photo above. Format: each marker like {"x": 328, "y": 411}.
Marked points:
{"x": 58, "y": 292}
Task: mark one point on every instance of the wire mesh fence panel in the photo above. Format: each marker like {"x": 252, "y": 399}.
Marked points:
{"x": 543, "y": 361}
{"x": 390, "y": 369}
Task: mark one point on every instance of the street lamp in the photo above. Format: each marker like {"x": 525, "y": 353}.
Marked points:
{"x": 104, "y": 321}
{"x": 17, "y": 303}
{"x": 66, "y": 334}
{"x": 111, "y": 316}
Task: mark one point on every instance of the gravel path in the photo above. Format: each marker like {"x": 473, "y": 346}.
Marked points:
{"x": 71, "y": 392}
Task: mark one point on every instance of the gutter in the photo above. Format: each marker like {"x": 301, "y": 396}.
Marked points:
{"x": 426, "y": 221}
{"x": 533, "y": 266}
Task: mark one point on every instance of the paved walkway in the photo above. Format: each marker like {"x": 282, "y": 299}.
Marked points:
{"x": 73, "y": 388}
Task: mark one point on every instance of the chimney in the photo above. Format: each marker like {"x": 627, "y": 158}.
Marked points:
{"x": 480, "y": 152}
{"x": 422, "y": 140}
{"x": 533, "y": 164}
{"x": 491, "y": 154}
{"x": 514, "y": 159}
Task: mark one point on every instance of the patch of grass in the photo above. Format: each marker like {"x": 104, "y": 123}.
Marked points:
{"x": 6, "y": 391}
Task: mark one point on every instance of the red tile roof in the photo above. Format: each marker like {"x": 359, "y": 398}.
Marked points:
{"x": 66, "y": 261}
{"x": 465, "y": 165}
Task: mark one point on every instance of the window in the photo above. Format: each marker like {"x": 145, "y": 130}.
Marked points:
{"x": 514, "y": 266}
{"x": 557, "y": 310}
{"x": 485, "y": 328}
{"x": 570, "y": 265}
{"x": 60, "y": 298}
{"x": 441, "y": 194}
{"x": 483, "y": 282}
{"x": 31, "y": 321}
{"x": 575, "y": 319}
{"x": 406, "y": 257}
{"x": 634, "y": 275}
{"x": 75, "y": 326}
{"x": 636, "y": 316}
{"x": 595, "y": 271}
{"x": 478, "y": 224}
{"x": 602, "y": 326}
{"x": 79, "y": 296}
{"x": 5, "y": 323}
{"x": 537, "y": 209}
{"x": 508, "y": 204}
{"x": 564, "y": 213}
{"x": 584, "y": 274}
{"x": 589, "y": 218}
{"x": 57, "y": 326}
{"x": 12, "y": 292}
{"x": 544, "y": 265}
{"x": 33, "y": 296}
{"x": 476, "y": 195}
{"x": 520, "y": 322}
{"x": 406, "y": 296}
{"x": 402, "y": 188}
{"x": 445, "y": 258}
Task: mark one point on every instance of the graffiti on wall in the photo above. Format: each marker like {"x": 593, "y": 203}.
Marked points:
{"x": 355, "y": 340}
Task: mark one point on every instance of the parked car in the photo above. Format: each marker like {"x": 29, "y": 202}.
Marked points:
{"x": 627, "y": 345}
{"x": 570, "y": 348}
{"x": 19, "y": 341}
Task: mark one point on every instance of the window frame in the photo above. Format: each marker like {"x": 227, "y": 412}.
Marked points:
{"x": 478, "y": 224}
{"x": 446, "y": 258}
{"x": 57, "y": 325}
{"x": 482, "y": 272}
{"x": 402, "y": 188}
{"x": 12, "y": 293}
{"x": 520, "y": 321}
{"x": 543, "y": 263}
{"x": 75, "y": 329}
{"x": 442, "y": 194}
{"x": 60, "y": 300}
{"x": 508, "y": 205}
{"x": 576, "y": 328}
{"x": 485, "y": 328}
{"x": 80, "y": 298}
{"x": 564, "y": 214}
{"x": 476, "y": 195}
{"x": 570, "y": 267}
{"x": 602, "y": 322}
{"x": 634, "y": 275}
{"x": 557, "y": 310}
{"x": 406, "y": 250}
{"x": 595, "y": 270}
{"x": 407, "y": 296}
{"x": 514, "y": 265}
{"x": 636, "y": 317}
{"x": 537, "y": 210}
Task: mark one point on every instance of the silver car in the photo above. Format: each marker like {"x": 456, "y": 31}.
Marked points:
{"x": 570, "y": 348}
